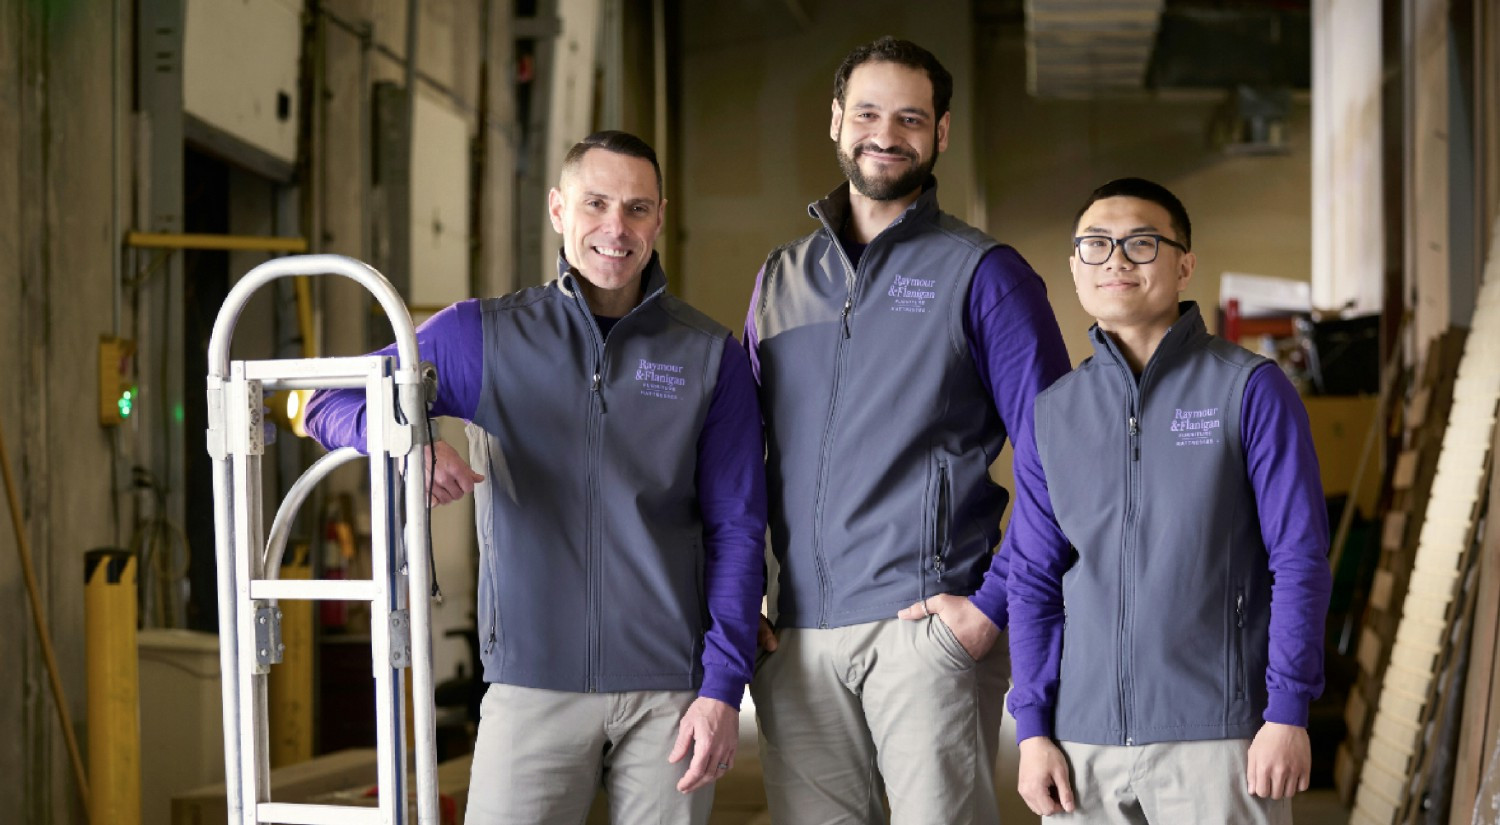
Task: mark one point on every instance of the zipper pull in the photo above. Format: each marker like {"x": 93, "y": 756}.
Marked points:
{"x": 1239, "y": 610}
{"x": 848, "y": 305}
{"x": 598, "y": 393}
{"x": 1135, "y": 447}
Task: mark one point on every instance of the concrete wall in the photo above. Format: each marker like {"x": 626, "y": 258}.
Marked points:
{"x": 55, "y": 300}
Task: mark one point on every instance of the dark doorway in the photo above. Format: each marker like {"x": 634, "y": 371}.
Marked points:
{"x": 205, "y": 285}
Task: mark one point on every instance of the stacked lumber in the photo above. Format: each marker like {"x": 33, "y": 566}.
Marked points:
{"x": 1404, "y": 767}
{"x": 1425, "y": 421}
{"x": 1476, "y": 761}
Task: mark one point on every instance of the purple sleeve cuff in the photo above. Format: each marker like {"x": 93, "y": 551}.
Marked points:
{"x": 1286, "y": 709}
{"x": 1033, "y": 721}
{"x": 719, "y": 683}
{"x": 991, "y": 597}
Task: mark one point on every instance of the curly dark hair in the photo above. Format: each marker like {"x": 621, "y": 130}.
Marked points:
{"x": 903, "y": 53}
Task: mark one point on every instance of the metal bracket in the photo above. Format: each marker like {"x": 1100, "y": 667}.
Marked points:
{"x": 400, "y": 638}
{"x": 218, "y": 446}
{"x": 249, "y": 439}
{"x": 268, "y": 645}
{"x": 398, "y": 436}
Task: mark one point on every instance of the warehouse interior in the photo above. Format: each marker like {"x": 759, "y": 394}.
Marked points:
{"x": 1340, "y": 159}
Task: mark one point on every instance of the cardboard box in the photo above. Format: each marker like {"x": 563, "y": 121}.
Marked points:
{"x": 1340, "y": 425}
{"x": 302, "y": 782}
{"x": 453, "y": 793}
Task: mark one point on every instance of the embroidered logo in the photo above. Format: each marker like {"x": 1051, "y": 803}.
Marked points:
{"x": 659, "y": 380}
{"x": 911, "y": 294}
{"x": 1197, "y": 427}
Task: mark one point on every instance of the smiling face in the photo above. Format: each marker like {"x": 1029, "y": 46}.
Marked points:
{"x": 1124, "y": 296}
{"x": 887, "y": 133}
{"x": 609, "y": 211}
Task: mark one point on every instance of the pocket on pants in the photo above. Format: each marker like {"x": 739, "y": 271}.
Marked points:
{"x": 939, "y": 631}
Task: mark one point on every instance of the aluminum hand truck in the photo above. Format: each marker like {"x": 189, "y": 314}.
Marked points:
{"x": 249, "y": 587}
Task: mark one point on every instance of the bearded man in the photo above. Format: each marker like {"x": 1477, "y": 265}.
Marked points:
{"x": 895, "y": 348}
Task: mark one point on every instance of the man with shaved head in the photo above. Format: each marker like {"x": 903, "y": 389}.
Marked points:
{"x": 621, "y": 513}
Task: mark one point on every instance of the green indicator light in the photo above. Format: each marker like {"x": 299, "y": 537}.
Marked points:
{"x": 177, "y": 413}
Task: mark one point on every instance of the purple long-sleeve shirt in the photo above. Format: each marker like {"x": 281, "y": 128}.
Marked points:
{"x": 1018, "y": 351}
{"x": 1283, "y": 470}
{"x": 730, "y": 478}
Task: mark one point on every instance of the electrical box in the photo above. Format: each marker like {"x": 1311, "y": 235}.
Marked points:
{"x": 239, "y": 78}
{"x": 117, "y": 392}
{"x": 425, "y": 186}
{"x": 439, "y": 205}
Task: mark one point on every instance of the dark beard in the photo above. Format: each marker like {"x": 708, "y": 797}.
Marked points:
{"x": 885, "y": 188}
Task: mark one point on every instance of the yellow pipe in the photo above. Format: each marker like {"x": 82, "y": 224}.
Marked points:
{"x": 113, "y": 687}
{"x": 303, "y": 286}
{"x": 231, "y": 243}
{"x": 291, "y": 682}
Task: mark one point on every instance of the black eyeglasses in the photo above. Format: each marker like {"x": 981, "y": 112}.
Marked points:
{"x": 1139, "y": 249}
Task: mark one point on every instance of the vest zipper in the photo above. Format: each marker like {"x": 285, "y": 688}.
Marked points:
{"x": 1127, "y": 551}
{"x": 1135, "y": 391}
{"x": 592, "y": 572}
{"x": 940, "y": 534}
{"x": 599, "y": 394}
{"x": 1123, "y": 648}
{"x": 820, "y": 562}
{"x": 591, "y": 552}
{"x": 1239, "y": 643}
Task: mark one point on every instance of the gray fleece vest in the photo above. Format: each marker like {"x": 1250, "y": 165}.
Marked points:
{"x": 1168, "y": 601}
{"x": 879, "y": 431}
{"x": 591, "y": 544}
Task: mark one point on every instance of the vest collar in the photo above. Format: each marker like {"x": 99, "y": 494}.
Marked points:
{"x": 1187, "y": 331}
{"x": 833, "y": 210}
{"x": 653, "y": 279}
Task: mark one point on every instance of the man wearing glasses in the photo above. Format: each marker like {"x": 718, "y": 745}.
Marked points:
{"x": 1165, "y": 658}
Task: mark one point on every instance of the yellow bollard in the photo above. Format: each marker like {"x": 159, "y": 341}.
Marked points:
{"x": 291, "y": 682}
{"x": 113, "y": 687}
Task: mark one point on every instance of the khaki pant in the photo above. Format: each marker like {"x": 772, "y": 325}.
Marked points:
{"x": 1167, "y": 783}
{"x": 541, "y": 755}
{"x": 891, "y": 708}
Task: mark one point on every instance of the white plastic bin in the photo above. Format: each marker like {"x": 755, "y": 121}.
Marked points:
{"x": 182, "y": 717}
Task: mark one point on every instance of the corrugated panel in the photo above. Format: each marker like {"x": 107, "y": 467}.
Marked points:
{"x": 1082, "y": 48}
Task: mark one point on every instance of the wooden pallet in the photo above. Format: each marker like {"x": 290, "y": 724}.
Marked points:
{"x": 1479, "y": 728}
{"x": 1424, "y": 422}
{"x": 1401, "y": 749}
